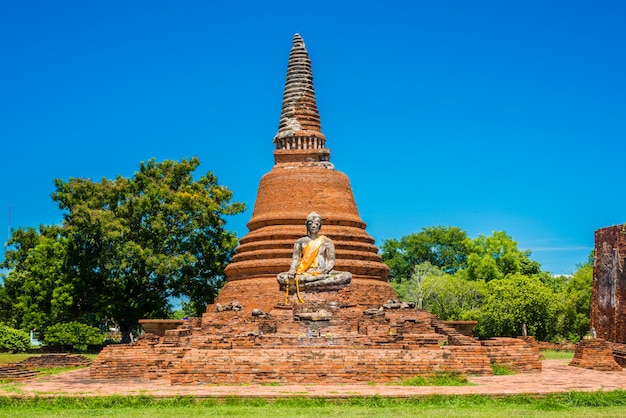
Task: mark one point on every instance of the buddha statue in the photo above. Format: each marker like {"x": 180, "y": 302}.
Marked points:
{"x": 312, "y": 263}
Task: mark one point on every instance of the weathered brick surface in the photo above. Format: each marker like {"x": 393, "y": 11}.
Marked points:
{"x": 140, "y": 360}
{"x": 16, "y": 372}
{"x": 263, "y": 293}
{"x": 515, "y": 353}
{"x": 285, "y": 197}
{"x": 619, "y": 353}
{"x": 595, "y": 354}
{"x": 231, "y": 347}
{"x": 56, "y": 360}
{"x": 608, "y": 299}
{"x": 318, "y": 365}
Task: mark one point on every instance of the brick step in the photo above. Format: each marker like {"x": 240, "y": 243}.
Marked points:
{"x": 619, "y": 354}
{"x": 55, "y": 360}
{"x": 16, "y": 372}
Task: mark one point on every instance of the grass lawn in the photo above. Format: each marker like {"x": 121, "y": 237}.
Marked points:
{"x": 13, "y": 358}
{"x": 575, "y": 404}
{"x": 558, "y": 355}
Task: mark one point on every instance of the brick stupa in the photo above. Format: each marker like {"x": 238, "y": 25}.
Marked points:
{"x": 303, "y": 180}
{"x": 358, "y": 333}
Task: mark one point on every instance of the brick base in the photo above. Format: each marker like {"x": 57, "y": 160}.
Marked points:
{"x": 595, "y": 354}
{"x": 355, "y": 345}
{"x": 519, "y": 354}
{"x": 319, "y": 365}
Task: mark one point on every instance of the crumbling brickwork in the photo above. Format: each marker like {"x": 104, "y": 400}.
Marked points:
{"x": 608, "y": 299}
{"x": 595, "y": 354}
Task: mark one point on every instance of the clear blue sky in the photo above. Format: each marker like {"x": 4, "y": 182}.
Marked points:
{"x": 486, "y": 115}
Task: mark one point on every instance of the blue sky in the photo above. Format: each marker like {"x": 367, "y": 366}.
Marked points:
{"x": 486, "y": 115}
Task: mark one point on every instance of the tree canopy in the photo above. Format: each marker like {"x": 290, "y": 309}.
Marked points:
{"x": 444, "y": 247}
{"x": 488, "y": 279}
{"x": 125, "y": 247}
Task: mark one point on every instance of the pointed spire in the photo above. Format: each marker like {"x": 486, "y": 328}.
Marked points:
{"x": 299, "y": 128}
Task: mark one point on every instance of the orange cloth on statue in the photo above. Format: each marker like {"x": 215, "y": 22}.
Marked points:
{"x": 309, "y": 255}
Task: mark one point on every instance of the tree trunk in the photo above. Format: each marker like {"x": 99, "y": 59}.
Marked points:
{"x": 126, "y": 334}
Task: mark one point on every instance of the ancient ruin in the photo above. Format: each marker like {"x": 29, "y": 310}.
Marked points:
{"x": 608, "y": 297}
{"x": 330, "y": 318}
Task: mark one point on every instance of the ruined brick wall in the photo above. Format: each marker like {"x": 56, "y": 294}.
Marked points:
{"x": 293, "y": 365}
{"x": 520, "y": 354}
{"x": 608, "y": 297}
{"x": 595, "y": 354}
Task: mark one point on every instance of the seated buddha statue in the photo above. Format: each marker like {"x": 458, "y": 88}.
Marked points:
{"x": 312, "y": 263}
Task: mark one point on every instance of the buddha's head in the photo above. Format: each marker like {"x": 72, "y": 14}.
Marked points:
{"x": 313, "y": 223}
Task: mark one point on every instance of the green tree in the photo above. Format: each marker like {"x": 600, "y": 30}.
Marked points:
{"x": 413, "y": 289}
{"x": 449, "y": 297}
{"x": 8, "y": 314}
{"x": 13, "y": 340}
{"x": 454, "y": 298}
{"x": 517, "y": 300}
{"x": 78, "y": 335}
{"x": 445, "y": 247}
{"x": 576, "y": 296}
{"x": 496, "y": 256}
{"x": 135, "y": 242}
{"x": 38, "y": 283}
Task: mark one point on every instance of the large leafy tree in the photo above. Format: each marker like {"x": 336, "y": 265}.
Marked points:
{"x": 415, "y": 289}
{"x": 454, "y": 298}
{"x": 576, "y": 296}
{"x": 38, "y": 283}
{"x": 515, "y": 301}
{"x": 445, "y": 247}
{"x": 7, "y": 310}
{"x": 135, "y": 242}
{"x": 497, "y": 256}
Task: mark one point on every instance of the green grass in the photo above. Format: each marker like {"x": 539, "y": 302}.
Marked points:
{"x": 557, "y": 355}
{"x": 501, "y": 370}
{"x": 6, "y": 358}
{"x": 574, "y": 404}
{"x": 436, "y": 379}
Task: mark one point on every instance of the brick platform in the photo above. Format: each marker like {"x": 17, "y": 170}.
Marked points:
{"x": 354, "y": 346}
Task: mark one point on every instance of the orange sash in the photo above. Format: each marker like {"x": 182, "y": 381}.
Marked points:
{"x": 309, "y": 255}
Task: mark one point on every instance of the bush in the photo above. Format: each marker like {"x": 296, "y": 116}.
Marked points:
{"x": 78, "y": 335}
{"x": 13, "y": 340}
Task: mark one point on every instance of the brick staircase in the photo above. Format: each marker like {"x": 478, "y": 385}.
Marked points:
{"x": 29, "y": 367}
{"x": 16, "y": 372}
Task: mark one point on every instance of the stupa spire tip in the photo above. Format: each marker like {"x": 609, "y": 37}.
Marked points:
{"x": 299, "y": 128}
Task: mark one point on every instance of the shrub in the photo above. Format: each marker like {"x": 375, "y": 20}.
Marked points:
{"x": 78, "y": 335}
{"x": 13, "y": 340}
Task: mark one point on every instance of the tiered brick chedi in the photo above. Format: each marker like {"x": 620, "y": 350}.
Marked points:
{"x": 345, "y": 328}
{"x": 302, "y": 181}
